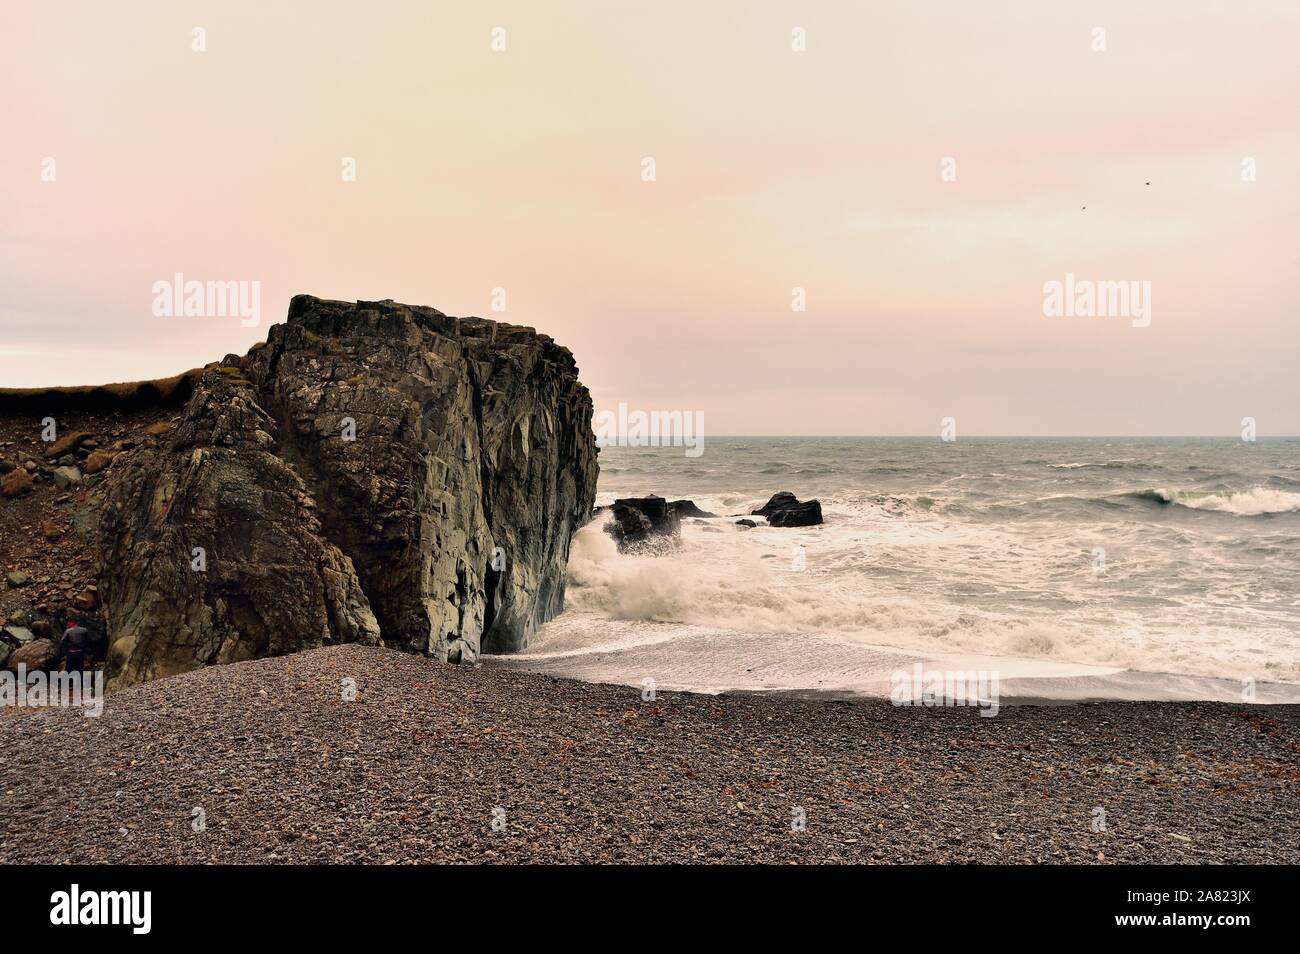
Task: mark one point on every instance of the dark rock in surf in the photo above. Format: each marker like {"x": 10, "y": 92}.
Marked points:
{"x": 746, "y": 523}
{"x": 805, "y": 514}
{"x": 778, "y": 500}
{"x": 687, "y": 508}
{"x": 639, "y": 520}
{"x": 663, "y": 518}
{"x": 628, "y": 526}
{"x": 785, "y": 510}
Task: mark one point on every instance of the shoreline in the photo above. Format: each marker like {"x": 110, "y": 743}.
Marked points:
{"x": 434, "y": 763}
{"x": 694, "y": 659}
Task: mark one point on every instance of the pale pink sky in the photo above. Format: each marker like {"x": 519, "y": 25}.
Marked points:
{"x": 775, "y": 169}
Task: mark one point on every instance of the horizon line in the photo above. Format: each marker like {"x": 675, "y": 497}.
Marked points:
{"x": 1004, "y": 437}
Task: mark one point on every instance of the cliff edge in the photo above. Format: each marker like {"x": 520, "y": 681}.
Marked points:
{"x": 374, "y": 473}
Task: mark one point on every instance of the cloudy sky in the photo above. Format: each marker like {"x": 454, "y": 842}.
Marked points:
{"x": 775, "y": 169}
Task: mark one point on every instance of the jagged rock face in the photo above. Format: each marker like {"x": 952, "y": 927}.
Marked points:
{"x": 374, "y": 472}
{"x": 213, "y": 550}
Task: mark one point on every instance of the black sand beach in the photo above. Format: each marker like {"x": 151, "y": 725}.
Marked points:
{"x": 433, "y": 763}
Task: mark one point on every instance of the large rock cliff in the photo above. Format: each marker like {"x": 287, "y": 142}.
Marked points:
{"x": 373, "y": 473}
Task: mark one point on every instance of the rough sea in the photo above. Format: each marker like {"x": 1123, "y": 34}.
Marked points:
{"x": 1080, "y": 565}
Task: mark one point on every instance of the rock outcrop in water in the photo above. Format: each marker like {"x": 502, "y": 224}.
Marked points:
{"x": 635, "y": 521}
{"x": 783, "y": 509}
{"x": 374, "y": 473}
{"x": 687, "y": 508}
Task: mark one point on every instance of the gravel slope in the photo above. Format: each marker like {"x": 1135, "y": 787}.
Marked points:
{"x": 412, "y": 771}
{"x": 47, "y": 534}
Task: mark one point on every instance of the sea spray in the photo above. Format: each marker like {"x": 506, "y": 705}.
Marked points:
{"x": 992, "y": 552}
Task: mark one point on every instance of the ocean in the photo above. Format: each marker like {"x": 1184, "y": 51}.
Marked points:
{"x": 1079, "y": 564}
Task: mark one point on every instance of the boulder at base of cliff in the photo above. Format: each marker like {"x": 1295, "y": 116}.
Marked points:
{"x": 785, "y": 510}
{"x": 641, "y": 520}
{"x": 38, "y": 654}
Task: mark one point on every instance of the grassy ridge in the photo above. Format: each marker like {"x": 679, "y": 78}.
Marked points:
{"x": 125, "y": 395}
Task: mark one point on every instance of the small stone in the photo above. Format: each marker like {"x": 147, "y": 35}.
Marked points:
{"x": 65, "y": 477}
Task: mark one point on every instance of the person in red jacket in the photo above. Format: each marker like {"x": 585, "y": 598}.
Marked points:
{"x": 76, "y": 646}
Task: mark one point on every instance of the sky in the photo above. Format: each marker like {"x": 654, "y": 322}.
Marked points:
{"x": 782, "y": 160}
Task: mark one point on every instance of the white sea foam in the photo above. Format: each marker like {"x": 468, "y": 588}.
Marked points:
{"x": 929, "y": 551}
{"x": 737, "y": 583}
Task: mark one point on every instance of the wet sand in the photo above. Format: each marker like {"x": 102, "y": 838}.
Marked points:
{"x": 699, "y": 659}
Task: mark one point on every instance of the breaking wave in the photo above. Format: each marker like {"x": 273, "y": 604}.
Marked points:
{"x": 1124, "y": 463}
{"x": 1244, "y": 503}
{"x": 1058, "y": 556}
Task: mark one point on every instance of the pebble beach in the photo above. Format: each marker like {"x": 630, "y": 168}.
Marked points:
{"x": 281, "y": 760}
